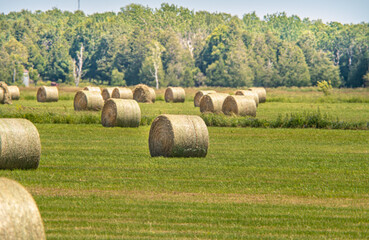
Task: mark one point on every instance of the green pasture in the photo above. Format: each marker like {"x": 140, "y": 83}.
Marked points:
{"x": 255, "y": 183}
{"x": 101, "y": 183}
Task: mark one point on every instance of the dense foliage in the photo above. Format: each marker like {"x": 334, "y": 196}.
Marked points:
{"x": 176, "y": 46}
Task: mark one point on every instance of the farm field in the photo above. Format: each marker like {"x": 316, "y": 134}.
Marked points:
{"x": 255, "y": 183}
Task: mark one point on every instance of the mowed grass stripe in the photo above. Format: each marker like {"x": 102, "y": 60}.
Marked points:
{"x": 195, "y": 218}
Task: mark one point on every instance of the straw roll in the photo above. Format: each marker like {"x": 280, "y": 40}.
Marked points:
{"x": 47, "y": 94}
{"x": 107, "y": 93}
{"x": 14, "y": 92}
{"x": 121, "y": 113}
{"x": 88, "y": 100}
{"x": 175, "y": 94}
{"x": 254, "y": 95}
{"x": 198, "y": 96}
{"x": 92, "y": 89}
{"x": 261, "y": 93}
{"x": 19, "y": 215}
{"x": 212, "y": 102}
{"x": 143, "y": 93}
{"x": 178, "y": 136}
{"x": 239, "y": 105}
{"x": 20, "y": 146}
{"x": 5, "y": 95}
{"x": 122, "y": 93}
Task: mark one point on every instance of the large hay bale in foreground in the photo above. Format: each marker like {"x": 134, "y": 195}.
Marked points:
{"x": 5, "y": 96}
{"x": 178, "y": 136}
{"x": 121, "y": 113}
{"x": 14, "y": 92}
{"x": 261, "y": 93}
{"x": 88, "y": 101}
{"x": 239, "y": 105}
{"x": 143, "y": 93}
{"x": 20, "y": 146}
{"x": 212, "y": 102}
{"x": 92, "y": 89}
{"x": 198, "y": 96}
{"x": 47, "y": 94}
{"x": 122, "y": 93}
{"x": 175, "y": 94}
{"x": 19, "y": 215}
{"x": 107, "y": 93}
{"x": 249, "y": 93}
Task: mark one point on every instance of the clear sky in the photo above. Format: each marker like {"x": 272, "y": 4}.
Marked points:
{"x": 344, "y": 11}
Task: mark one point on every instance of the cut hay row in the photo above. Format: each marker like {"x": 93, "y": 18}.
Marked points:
{"x": 92, "y": 89}
{"x": 107, "y": 93}
{"x": 261, "y": 93}
{"x": 14, "y": 92}
{"x": 47, "y": 94}
{"x": 19, "y": 215}
{"x": 20, "y": 146}
{"x": 121, "y": 113}
{"x": 88, "y": 101}
{"x": 5, "y": 96}
{"x": 178, "y": 136}
{"x": 144, "y": 94}
{"x": 175, "y": 94}
{"x": 239, "y": 105}
{"x": 198, "y": 96}
{"x": 252, "y": 94}
{"x": 122, "y": 93}
{"x": 212, "y": 102}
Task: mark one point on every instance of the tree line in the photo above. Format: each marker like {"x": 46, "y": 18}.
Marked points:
{"x": 178, "y": 47}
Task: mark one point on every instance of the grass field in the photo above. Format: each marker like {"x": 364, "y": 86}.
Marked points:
{"x": 255, "y": 183}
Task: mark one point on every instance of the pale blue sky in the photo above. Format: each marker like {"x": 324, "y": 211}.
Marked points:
{"x": 344, "y": 11}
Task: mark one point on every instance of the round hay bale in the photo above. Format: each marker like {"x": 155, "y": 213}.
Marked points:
{"x": 178, "y": 136}
{"x": 252, "y": 94}
{"x": 143, "y": 93}
{"x": 239, "y": 105}
{"x": 175, "y": 94}
{"x": 5, "y": 97}
{"x": 88, "y": 101}
{"x": 121, "y": 113}
{"x": 47, "y": 94}
{"x": 20, "y": 146}
{"x": 261, "y": 93}
{"x": 198, "y": 96}
{"x": 20, "y": 217}
{"x": 212, "y": 102}
{"x": 122, "y": 93}
{"x": 92, "y": 89}
{"x": 107, "y": 93}
{"x": 14, "y": 92}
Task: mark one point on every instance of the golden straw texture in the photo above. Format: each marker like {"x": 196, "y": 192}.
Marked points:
{"x": 144, "y": 94}
{"x": 88, "y": 100}
{"x": 122, "y": 93}
{"x": 121, "y": 113}
{"x": 212, "y": 102}
{"x": 239, "y": 105}
{"x": 92, "y": 89}
{"x": 178, "y": 136}
{"x": 198, "y": 96}
{"x": 14, "y": 92}
{"x": 20, "y": 144}
{"x": 254, "y": 95}
{"x": 175, "y": 94}
{"x": 19, "y": 215}
{"x": 47, "y": 94}
{"x": 5, "y": 94}
{"x": 107, "y": 93}
{"x": 261, "y": 93}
